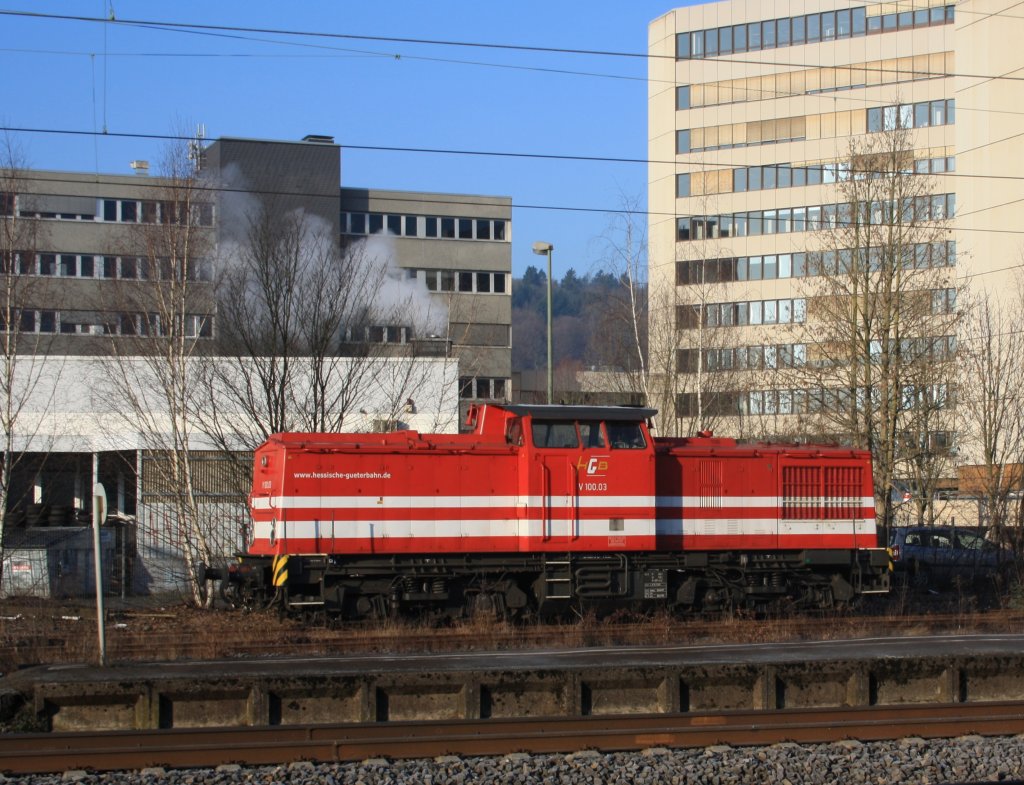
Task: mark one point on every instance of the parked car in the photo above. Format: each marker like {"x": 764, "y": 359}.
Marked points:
{"x": 931, "y": 556}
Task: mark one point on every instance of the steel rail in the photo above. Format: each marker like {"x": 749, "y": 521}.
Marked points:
{"x": 205, "y": 747}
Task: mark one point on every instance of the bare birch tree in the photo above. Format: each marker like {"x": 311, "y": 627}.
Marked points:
{"x": 699, "y": 319}
{"x": 163, "y": 330}
{"x": 306, "y": 328}
{"x": 22, "y": 348}
{"x": 880, "y": 298}
{"x": 991, "y": 363}
{"x": 621, "y": 345}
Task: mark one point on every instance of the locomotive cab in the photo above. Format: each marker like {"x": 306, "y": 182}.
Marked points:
{"x": 586, "y": 479}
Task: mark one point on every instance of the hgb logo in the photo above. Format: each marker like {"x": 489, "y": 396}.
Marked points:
{"x": 594, "y": 467}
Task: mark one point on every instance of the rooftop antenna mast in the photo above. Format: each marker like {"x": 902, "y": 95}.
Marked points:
{"x": 195, "y": 147}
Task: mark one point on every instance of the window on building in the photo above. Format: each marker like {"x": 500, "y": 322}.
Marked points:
{"x": 129, "y": 212}
{"x": 874, "y": 120}
{"x": 753, "y": 36}
{"x": 739, "y": 38}
{"x": 47, "y": 321}
{"x": 682, "y": 229}
{"x": 782, "y": 32}
{"x": 683, "y": 141}
{"x": 683, "y": 97}
{"x": 682, "y": 186}
{"x": 198, "y": 326}
{"x": 813, "y": 28}
{"x": 828, "y": 25}
{"x": 799, "y": 30}
{"x": 711, "y": 43}
{"x": 943, "y": 301}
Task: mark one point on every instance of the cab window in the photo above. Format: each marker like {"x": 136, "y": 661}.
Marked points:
{"x": 591, "y": 435}
{"x": 626, "y": 436}
{"x": 514, "y": 432}
{"x": 554, "y": 434}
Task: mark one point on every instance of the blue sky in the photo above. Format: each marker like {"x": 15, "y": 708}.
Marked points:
{"x": 87, "y": 76}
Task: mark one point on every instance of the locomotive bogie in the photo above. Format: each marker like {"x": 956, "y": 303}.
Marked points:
{"x": 512, "y": 586}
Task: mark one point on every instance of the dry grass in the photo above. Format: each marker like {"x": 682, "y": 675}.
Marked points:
{"x": 44, "y": 632}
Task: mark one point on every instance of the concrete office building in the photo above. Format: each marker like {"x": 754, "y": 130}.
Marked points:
{"x": 455, "y": 248}
{"x": 752, "y": 112}
{"x": 459, "y": 249}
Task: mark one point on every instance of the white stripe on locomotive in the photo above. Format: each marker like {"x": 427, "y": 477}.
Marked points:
{"x": 557, "y": 500}
{"x": 536, "y": 528}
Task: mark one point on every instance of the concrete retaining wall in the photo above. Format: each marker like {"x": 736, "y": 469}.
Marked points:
{"x": 276, "y": 697}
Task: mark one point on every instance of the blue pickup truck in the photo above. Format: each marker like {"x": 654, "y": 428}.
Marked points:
{"x": 933, "y": 556}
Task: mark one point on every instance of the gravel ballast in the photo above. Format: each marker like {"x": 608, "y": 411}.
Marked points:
{"x": 906, "y": 762}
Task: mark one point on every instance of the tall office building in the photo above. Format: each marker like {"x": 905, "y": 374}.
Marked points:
{"x": 757, "y": 114}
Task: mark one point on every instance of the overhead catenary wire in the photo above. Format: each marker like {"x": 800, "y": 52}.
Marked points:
{"x": 703, "y": 163}
{"x": 182, "y": 27}
{"x": 590, "y": 158}
{"x": 838, "y": 94}
{"x": 205, "y": 27}
{"x": 222, "y": 30}
{"x": 441, "y": 199}
{"x": 218, "y": 188}
{"x": 177, "y": 26}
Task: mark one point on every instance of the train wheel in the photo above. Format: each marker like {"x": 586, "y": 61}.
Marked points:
{"x": 372, "y": 606}
{"x": 486, "y": 605}
{"x": 241, "y": 596}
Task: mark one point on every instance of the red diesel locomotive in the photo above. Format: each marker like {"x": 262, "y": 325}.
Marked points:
{"x": 546, "y": 509}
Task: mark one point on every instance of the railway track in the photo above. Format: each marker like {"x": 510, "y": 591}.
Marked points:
{"x": 192, "y": 748}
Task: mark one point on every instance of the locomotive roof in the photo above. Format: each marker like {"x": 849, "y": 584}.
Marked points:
{"x": 563, "y": 412}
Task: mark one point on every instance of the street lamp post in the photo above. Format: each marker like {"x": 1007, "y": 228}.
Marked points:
{"x": 545, "y": 249}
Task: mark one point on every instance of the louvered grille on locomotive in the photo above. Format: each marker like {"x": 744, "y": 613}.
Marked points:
{"x": 829, "y": 493}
